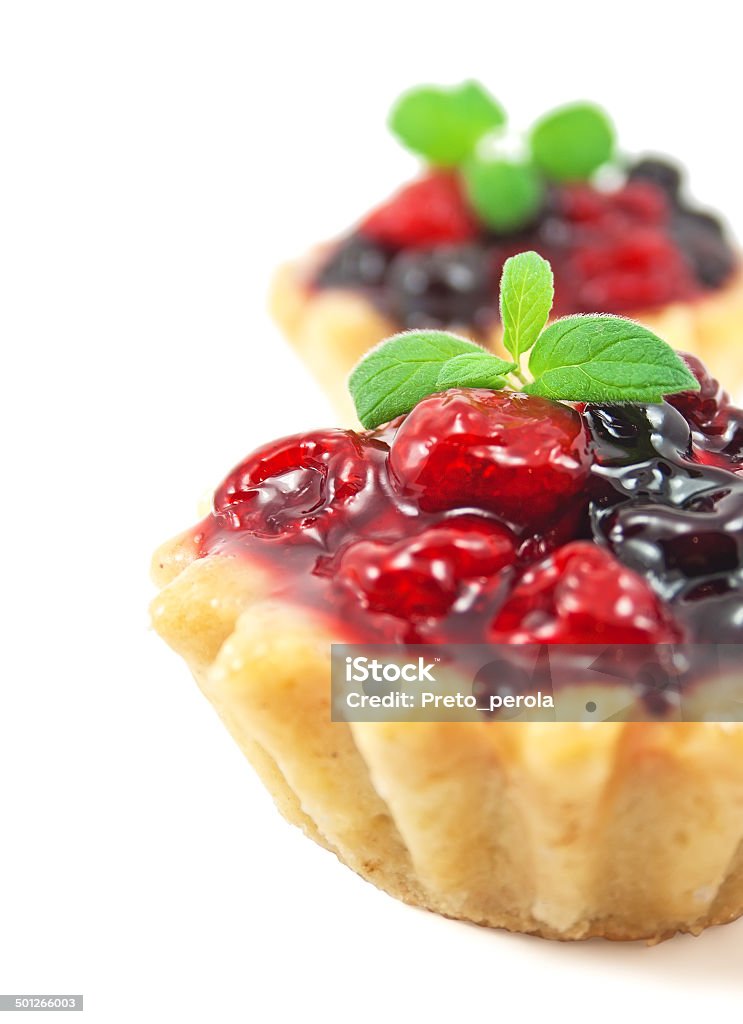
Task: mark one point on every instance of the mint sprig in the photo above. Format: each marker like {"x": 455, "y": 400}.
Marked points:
{"x": 572, "y": 142}
{"x": 605, "y": 359}
{"x": 451, "y": 127}
{"x": 393, "y": 377}
{"x": 474, "y": 370}
{"x": 592, "y": 358}
{"x": 526, "y": 294}
{"x": 444, "y": 125}
{"x": 505, "y": 194}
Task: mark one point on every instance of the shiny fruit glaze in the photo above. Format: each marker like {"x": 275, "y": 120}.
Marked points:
{"x": 423, "y": 260}
{"x": 496, "y": 516}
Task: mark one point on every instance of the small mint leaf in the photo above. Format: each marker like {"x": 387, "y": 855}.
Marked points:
{"x": 605, "y": 359}
{"x": 394, "y": 376}
{"x": 444, "y": 125}
{"x": 527, "y": 291}
{"x": 505, "y": 194}
{"x": 572, "y": 142}
{"x": 473, "y": 370}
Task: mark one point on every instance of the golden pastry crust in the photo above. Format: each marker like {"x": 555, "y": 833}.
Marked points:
{"x": 332, "y": 328}
{"x": 564, "y": 830}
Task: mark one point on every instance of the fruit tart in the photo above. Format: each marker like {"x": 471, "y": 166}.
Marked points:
{"x": 622, "y": 235}
{"x": 586, "y": 490}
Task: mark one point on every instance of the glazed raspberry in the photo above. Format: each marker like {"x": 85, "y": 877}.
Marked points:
{"x": 423, "y": 575}
{"x": 630, "y": 270}
{"x": 581, "y": 204}
{"x": 580, "y": 595}
{"x": 296, "y": 484}
{"x": 642, "y": 202}
{"x": 518, "y": 456}
{"x": 706, "y": 410}
{"x": 716, "y": 425}
{"x": 431, "y": 211}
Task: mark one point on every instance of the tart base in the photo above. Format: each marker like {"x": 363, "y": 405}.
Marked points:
{"x": 564, "y": 830}
{"x": 332, "y": 328}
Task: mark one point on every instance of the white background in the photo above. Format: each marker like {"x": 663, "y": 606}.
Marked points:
{"x": 157, "y": 160}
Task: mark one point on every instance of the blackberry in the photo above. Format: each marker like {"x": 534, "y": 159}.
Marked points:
{"x": 354, "y": 262}
{"x": 439, "y": 287}
{"x": 701, "y": 237}
{"x": 662, "y": 173}
{"x": 679, "y": 548}
{"x": 644, "y": 453}
{"x": 714, "y": 612}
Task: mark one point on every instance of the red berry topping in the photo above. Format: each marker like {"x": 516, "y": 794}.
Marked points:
{"x": 581, "y": 204}
{"x": 616, "y": 522}
{"x": 424, "y": 575}
{"x": 294, "y": 484}
{"x": 516, "y": 455}
{"x": 642, "y": 202}
{"x": 705, "y": 410}
{"x": 717, "y": 426}
{"x": 583, "y": 595}
{"x": 431, "y": 211}
{"x": 631, "y": 270}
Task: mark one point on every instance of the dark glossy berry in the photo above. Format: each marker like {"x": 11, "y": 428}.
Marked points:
{"x": 679, "y": 547}
{"x": 445, "y": 286}
{"x": 583, "y": 595}
{"x": 713, "y": 612}
{"x": 644, "y": 452}
{"x": 518, "y": 456}
{"x": 660, "y": 510}
{"x": 424, "y": 574}
{"x": 662, "y": 173}
{"x": 431, "y": 211}
{"x": 354, "y": 262}
{"x": 701, "y": 238}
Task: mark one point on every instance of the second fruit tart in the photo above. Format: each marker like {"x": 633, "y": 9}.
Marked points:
{"x": 575, "y": 507}
{"x": 621, "y": 233}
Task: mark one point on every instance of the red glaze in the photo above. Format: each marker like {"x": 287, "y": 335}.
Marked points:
{"x": 486, "y": 516}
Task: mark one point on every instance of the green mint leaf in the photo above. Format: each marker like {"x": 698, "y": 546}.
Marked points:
{"x": 394, "y": 376}
{"x": 572, "y": 142}
{"x": 605, "y": 359}
{"x": 505, "y": 194}
{"x": 473, "y": 370}
{"x": 476, "y": 109}
{"x": 527, "y": 290}
{"x": 444, "y": 125}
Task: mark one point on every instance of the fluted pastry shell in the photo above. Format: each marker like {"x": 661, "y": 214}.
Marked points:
{"x": 564, "y": 830}
{"x": 332, "y": 328}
